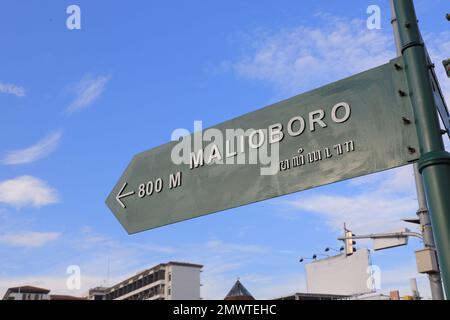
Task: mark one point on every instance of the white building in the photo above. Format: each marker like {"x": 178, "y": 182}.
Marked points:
{"x": 27, "y": 293}
{"x": 97, "y": 293}
{"x": 166, "y": 281}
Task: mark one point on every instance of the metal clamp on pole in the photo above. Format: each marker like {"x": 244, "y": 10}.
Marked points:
{"x": 433, "y": 158}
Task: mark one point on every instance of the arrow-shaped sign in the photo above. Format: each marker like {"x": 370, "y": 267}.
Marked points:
{"x": 379, "y": 133}
{"x": 120, "y": 195}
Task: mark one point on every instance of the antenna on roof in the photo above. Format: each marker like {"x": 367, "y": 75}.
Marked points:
{"x": 107, "y": 275}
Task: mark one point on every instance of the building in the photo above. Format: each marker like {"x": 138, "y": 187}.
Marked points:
{"x": 371, "y": 296}
{"x": 64, "y": 297}
{"x": 27, "y": 293}
{"x": 239, "y": 292}
{"x": 35, "y": 293}
{"x": 344, "y": 275}
{"x": 313, "y": 296}
{"x": 166, "y": 281}
{"x": 325, "y": 296}
{"x": 98, "y": 293}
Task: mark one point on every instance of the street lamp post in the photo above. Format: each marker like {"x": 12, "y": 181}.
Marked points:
{"x": 423, "y": 213}
{"x": 434, "y": 162}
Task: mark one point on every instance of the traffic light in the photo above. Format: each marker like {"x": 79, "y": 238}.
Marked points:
{"x": 349, "y": 243}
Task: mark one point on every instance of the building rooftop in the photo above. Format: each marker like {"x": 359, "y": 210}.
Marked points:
{"x": 314, "y": 296}
{"x": 65, "y": 297}
{"x": 29, "y": 289}
{"x": 239, "y": 292}
{"x": 153, "y": 269}
{"x": 99, "y": 290}
{"x": 25, "y": 289}
{"x": 184, "y": 264}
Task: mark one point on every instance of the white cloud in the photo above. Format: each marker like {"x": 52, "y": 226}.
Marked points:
{"x": 90, "y": 239}
{"x": 150, "y": 247}
{"x": 88, "y": 90}
{"x": 29, "y": 238}
{"x": 27, "y": 191}
{"x": 301, "y": 58}
{"x": 222, "y": 247}
{"x": 438, "y": 46}
{"x": 399, "y": 180}
{"x": 378, "y": 207}
{"x": 13, "y": 89}
{"x": 35, "y": 152}
{"x": 364, "y": 213}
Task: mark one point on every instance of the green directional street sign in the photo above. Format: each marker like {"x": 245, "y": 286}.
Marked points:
{"x": 353, "y": 127}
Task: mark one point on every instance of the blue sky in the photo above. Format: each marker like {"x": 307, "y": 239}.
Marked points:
{"x": 78, "y": 104}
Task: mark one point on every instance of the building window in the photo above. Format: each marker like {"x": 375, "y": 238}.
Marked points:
{"x": 170, "y": 276}
{"x": 169, "y": 291}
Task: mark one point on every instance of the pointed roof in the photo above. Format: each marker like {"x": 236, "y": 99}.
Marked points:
{"x": 239, "y": 292}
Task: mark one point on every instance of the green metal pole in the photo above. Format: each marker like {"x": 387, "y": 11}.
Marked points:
{"x": 434, "y": 162}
